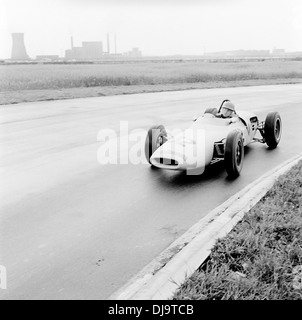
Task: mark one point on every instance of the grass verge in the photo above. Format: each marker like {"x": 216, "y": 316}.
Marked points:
{"x": 261, "y": 258}
{"x": 19, "y": 96}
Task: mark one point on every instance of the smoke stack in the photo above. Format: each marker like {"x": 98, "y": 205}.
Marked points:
{"x": 108, "y": 43}
{"x": 18, "y": 49}
{"x": 115, "y": 43}
{"x": 71, "y": 42}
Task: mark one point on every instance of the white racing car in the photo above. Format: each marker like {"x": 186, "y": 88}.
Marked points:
{"x": 223, "y": 139}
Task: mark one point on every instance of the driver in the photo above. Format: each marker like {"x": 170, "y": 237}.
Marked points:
{"x": 227, "y": 110}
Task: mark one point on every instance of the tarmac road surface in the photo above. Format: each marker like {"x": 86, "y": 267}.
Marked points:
{"x": 71, "y": 228}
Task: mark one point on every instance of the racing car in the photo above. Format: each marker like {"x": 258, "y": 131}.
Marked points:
{"x": 224, "y": 139}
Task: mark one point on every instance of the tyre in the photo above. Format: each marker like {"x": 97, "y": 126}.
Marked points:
{"x": 213, "y": 111}
{"x": 156, "y": 137}
{"x": 272, "y": 129}
{"x": 234, "y": 154}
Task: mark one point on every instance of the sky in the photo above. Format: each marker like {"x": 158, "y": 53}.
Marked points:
{"x": 156, "y": 27}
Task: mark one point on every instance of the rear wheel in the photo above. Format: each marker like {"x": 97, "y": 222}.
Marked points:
{"x": 272, "y": 129}
{"x": 234, "y": 154}
{"x": 156, "y": 137}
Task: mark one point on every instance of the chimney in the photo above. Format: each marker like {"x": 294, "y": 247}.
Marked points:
{"x": 108, "y": 43}
{"x": 71, "y": 42}
{"x": 115, "y": 51}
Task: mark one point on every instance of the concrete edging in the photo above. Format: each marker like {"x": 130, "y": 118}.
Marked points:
{"x": 162, "y": 277}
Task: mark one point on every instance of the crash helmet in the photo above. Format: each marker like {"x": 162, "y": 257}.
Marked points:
{"x": 228, "y": 108}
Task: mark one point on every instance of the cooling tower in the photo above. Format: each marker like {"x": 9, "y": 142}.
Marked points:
{"x": 18, "y": 50}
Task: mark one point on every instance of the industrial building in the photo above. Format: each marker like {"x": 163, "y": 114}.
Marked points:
{"x": 47, "y": 57}
{"x": 90, "y": 50}
{"x": 93, "y": 50}
{"x": 240, "y": 53}
{"x": 134, "y": 53}
{"x": 18, "y": 48}
{"x": 278, "y": 52}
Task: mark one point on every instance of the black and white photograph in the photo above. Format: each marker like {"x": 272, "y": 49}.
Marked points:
{"x": 151, "y": 152}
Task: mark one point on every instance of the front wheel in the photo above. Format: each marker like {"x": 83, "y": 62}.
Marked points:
{"x": 234, "y": 154}
{"x": 156, "y": 137}
{"x": 272, "y": 129}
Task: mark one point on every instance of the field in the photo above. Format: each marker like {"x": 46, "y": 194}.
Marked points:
{"x": 50, "y": 81}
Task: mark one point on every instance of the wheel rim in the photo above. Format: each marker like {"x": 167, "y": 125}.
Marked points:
{"x": 239, "y": 153}
{"x": 277, "y": 129}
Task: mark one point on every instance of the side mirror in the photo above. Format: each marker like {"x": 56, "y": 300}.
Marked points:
{"x": 195, "y": 118}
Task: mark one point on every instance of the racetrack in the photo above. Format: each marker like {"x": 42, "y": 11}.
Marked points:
{"x": 71, "y": 228}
